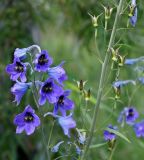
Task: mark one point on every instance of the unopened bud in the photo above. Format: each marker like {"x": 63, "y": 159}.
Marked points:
{"x": 81, "y": 84}
{"x": 108, "y": 12}
{"x": 94, "y": 20}
{"x": 117, "y": 92}
{"x": 87, "y": 95}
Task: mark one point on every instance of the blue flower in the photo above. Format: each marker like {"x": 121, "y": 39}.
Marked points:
{"x": 56, "y": 147}
{"x": 129, "y": 114}
{"x": 50, "y": 91}
{"x": 133, "y": 14}
{"x": 42, "y": 61}
{"x": 81, "y": 137}
{"x": 63, "y": 103}
{"x": 66, "y": 122}
{"x": 121, "y": 83}
{"x": 17, "y": 70}
{"x": 133, "y": 60}
{"x": 19, "y": 89}
{"x": 20, "y": 53}
{"x": 108, "y": 136}
{"x": 139, "y": 129}
{"x": 27, "y": 120}
{"x": 78, "y": 150}
{"x": 141, "y": 79}
{"x": 58, "y": 73}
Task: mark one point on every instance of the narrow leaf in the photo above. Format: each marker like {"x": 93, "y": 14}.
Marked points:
{"x": 118, "y": 134}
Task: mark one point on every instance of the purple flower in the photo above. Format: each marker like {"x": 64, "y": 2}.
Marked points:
{"x": 50, "y": 91}
{"x": 27, "y": 120}
{"x": 78, "y": 150}
{"x": 134, "y": 60}
{"x": 66, "y": 122}
{"x": 42, "y": 61}
{"x": 63, "y": 103}
{"x": 133, "y": 17}
{"x": 58, "y": 73}
{"x": 108, "y": 136}
{"x": 129, "y": 114}
{"x": 81, "y": 137}
{"x": 19, "y": 89}
{"x": 141, "y": 79}
{"x": 17, "y": 70}
{"x": 56, "y": 147}
{"x": 20, "y": 53}
{"x": 139, "y": 129}
{"x": 121, "y": 83}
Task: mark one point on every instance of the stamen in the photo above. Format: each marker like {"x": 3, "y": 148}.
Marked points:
{"x": 42, "y": 60}
{"x": 61, "y": 100}
{"x": 28, "y": 117}
{"x": 47, "y": 87}
{"x": 19, "y": 67}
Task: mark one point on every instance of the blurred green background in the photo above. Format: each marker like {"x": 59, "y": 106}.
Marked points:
{"x": 65, "y": 29}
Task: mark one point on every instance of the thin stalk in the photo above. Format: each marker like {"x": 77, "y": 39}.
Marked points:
{"x": 42, "y": 127}
{"x": 49, "y": 140}
{"x": 102, "y": 79}
{"x": 111, "y": 154}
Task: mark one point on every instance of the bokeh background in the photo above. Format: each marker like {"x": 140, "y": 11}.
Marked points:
{"x": 64, "y": 28}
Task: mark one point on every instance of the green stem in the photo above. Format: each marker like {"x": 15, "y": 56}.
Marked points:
{"x": 102, "y": 79}
{"x": 49, "y": 140}
{"x": 111, "y": 154}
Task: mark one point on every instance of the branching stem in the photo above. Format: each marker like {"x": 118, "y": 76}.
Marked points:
{"x": 102, "y": 79}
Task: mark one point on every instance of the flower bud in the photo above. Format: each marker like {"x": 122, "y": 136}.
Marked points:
{"x": 108, "y": 12}
{"x": 87, "y": 95}
{"x": 94, "y": 20}
{"x": 81, "y": 84}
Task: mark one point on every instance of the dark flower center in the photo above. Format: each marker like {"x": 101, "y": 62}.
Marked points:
{"x": 42, "y": 59}
{"x": 61, "y": 100}
{"x": 28, "y": 117}
{"x": 131, "y": 112}
{"x": 47, "y": 87}
{"x": 19, "y": 67}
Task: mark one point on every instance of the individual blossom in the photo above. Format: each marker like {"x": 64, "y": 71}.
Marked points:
{"x": 42, "y": 61}
{"x": 133, "y": 13}
{"x": 17, "y": 70}
{"x": 20, "y": 53}
{"x": 78, "y": 150}
{"x": 122, "y": 83}
{"x": 141, "y": 80}
{"x": 63, "y": 103}
{"x": 109, "y": 136}
{"x": 139, "y": 129}
{"x": 134, "y": 60}
{"x": 81, "y": 137}
{"x": 26, "y": 121}
{"x": 129, "y": 114}
{"x": 56, "y": 147}
{"x": 58, "y": 73}
{"x": 19, "y": 89}
{"x": 49, "y": 91}
{"x": 66, "y": 122}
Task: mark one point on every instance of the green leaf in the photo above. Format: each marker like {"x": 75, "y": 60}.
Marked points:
{"x": 97, "y": 145}
{"x": 118, "y": 134}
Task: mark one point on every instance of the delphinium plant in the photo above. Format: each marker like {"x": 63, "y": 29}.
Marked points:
{"x": 50, "y": 90}
{"x": 31, "y": 70}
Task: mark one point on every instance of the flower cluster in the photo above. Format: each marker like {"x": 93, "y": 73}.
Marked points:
{"x": 50, "y": 90}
